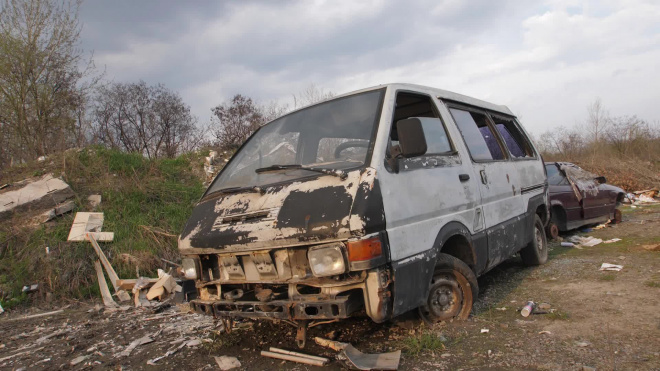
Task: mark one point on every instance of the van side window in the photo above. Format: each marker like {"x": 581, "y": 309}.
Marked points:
{"x": 420, "y": 106}
{"x": 515, "y": 140}
{"x": 480, "y": 140}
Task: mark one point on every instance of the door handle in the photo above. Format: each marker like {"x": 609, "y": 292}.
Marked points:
{"x": 464, "y": 177}
{"x": 484, "y": 178}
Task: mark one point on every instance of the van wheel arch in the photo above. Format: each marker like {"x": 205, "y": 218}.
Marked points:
{"x": 454, "y": 239}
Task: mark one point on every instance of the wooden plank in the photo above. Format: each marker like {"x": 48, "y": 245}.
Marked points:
{"x": 103, "y": 286}
{"x": 106, "y": 263}
{"x": 128, "y": 283}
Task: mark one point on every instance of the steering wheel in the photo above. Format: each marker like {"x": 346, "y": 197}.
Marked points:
{"x": 350, "y": 144}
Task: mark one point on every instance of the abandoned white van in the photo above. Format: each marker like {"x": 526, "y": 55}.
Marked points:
{"x": 386, "y": 199}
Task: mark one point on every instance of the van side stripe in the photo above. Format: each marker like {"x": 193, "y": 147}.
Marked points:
{"x": 532, "y": 188}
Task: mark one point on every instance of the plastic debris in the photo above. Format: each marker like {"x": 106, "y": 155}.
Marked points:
{"x": 567, "y": 244}
{"x": 527, "y": 309}
{"x": 612, "y": 240}
{"x": 484, "y": 330}
{"x": 610, "y": 267}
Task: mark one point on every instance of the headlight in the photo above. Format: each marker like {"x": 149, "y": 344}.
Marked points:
{"x": 189, "y": 267}
{"x": 326, "y": 260}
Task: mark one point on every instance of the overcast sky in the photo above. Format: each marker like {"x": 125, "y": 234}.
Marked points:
{"x": 546, "y": 60}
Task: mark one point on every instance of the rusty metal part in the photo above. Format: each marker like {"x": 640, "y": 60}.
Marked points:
{"x": 301, "y": 334}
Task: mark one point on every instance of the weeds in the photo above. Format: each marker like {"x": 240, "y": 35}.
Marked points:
{"x": 425, "y": 341}
{"x": 558, "y": 315}
{"x": 652, "y": 284}
{"x": 136, "y": 193}
{"x": 607, "y": 277}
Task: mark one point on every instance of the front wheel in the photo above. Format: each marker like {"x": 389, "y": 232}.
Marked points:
{"x": 453, "y": 290}
{"x": 536, "y": 252}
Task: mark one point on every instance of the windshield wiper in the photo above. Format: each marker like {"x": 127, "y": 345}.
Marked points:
{"x": 338, "y": 173}
{"x": 241, "y": 189}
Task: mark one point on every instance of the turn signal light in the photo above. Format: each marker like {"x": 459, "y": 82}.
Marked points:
{"x": 367, "y": 249}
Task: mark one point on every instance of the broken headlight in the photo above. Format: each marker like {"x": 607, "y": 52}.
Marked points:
{"x": 189, "y": 267}
{"x": 326, "y": 260}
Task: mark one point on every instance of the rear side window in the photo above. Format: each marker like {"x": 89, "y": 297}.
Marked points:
{"x": 515, "y": 140}
{"x": 478, "y": 136}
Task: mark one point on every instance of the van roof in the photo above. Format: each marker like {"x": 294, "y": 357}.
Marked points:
{"x": 440, "y": 94}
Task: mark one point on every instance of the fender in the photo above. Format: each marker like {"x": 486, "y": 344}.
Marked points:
{"x": 533, "y": 204}
{"x": 412, "y": 275}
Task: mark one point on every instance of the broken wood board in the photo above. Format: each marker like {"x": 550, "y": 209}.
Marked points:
{"x": 165, "y": 284}
{"x": 103, "y": 287}
{"x": 91, "y": 223}
{"x": 106, "y": 263}
{"x": 42, "y": 193}
{"x": 127, "y": 284}
{"x": 51, "y": 214}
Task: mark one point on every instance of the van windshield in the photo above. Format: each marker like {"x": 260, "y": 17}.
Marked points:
{"x": 334, "y": 135}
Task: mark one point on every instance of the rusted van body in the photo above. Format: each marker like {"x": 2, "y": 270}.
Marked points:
{"x": 389, "y": 199}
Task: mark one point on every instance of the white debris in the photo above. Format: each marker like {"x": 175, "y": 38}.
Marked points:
{"x": 227, "y": 362}
{"x": 484, "y": 330}
{"x": 610, "y": 267}
{"x": 612, "y": 240}
{"x": 77, "y": 360}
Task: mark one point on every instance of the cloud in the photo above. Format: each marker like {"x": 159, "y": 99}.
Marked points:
{"x": 545, "y": 61}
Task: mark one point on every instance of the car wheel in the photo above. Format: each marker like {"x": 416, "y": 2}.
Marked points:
{"x": 453, "y": 290}
{"x": 536, "y": 252}
{"x": 552, "y": 230}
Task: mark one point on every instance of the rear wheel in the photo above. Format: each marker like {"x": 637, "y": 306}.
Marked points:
{"x": 453, "y": 290}
{"x": 536, "y": 252}
{"x": 552, "y": 230}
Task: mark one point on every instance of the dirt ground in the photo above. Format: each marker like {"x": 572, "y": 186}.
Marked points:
{"x": 595, "y": 319}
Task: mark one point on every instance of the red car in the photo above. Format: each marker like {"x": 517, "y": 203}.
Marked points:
{"x": 578, "y": 197}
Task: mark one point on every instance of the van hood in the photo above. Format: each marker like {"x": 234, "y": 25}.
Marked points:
{"x": 299, "y": 213}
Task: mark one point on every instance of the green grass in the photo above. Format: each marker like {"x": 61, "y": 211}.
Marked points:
{"x": 652, "y": 284}
{"x": 426, "y": 341}
{"x": 607, "y": 277}
{"x": 558, "y": 315}
{"x": 140, "y": 198}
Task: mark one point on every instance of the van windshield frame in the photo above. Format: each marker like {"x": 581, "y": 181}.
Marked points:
{"x": 348, "y": 124}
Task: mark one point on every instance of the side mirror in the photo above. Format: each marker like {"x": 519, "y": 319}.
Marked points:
{"x": 412, "y": 142}
{"x": 601, "y": 179}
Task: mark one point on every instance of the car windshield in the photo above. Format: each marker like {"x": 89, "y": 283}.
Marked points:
{"x": 334, "y": 135}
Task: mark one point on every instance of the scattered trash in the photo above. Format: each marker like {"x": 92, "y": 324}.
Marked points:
{"x": 38, "y": 315}
{"x": 610, "y": 267}
{"x": 484, "y": 330}
{"x": 545, "y": 332}
{"x": 587, "y": 241}
{"x": 42, "y": 158}
{"x": 43, "y": 193}
{"x": 2, "y": 310}
{"x": 582, "y": 344}
{"x": 77, "y": 360}
{"x": 88, "y": 223}
{"x": 527, "y": 309}
{"x": 227, "y": 362}
{"x": 165, "y": 284}
{"x": 137, "y": 342}
{"x": 288, "y": 355}
{"x": 31, "y": 288}
{"x": 601, "y": 226}
{"x": 152, "y": 362}
{"x": 51, "y": 214}
{"x": 94, "y": 201}
{"x": 103, "y": 287}
{"x": 361, "y": 361}
{"x": 567, "y": 244}
{"x": 502, "y": 309}
{"x": 612, "y": 240}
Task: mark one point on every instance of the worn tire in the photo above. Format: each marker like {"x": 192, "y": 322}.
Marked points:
{"x": 536, "y": 252}
{"x": 452, "y": 292}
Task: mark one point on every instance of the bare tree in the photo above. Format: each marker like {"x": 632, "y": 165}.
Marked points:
{"x": 150, "y": 120}
{"x": 42, "y": 70}
{"x": 236, "y": 121}
{"x": 597, "y": 120}
{"x": 310, "y": 95}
